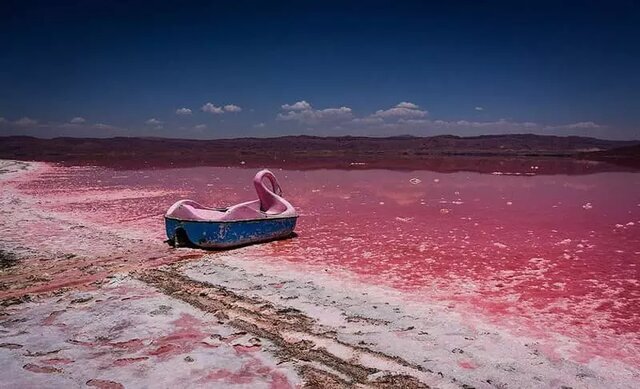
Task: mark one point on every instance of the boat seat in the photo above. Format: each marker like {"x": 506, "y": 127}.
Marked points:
{"x": 190, "y": 210}
{"x": 269, "y": 204}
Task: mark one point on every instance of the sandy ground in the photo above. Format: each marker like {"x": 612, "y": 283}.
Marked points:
{"x": 127, "y": 334}
{"x": 86, "y": 305}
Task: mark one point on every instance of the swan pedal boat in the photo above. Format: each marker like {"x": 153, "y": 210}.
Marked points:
{"x": 269, "y": 218}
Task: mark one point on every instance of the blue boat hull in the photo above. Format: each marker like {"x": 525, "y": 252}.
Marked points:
{"x": 226, "y": 234}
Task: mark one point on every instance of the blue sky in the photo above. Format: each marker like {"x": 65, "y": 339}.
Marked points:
{"x": 208, "y": 69}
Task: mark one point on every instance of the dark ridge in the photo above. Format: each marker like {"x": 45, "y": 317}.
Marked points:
{"x": 445, "y": 153}
{"x": 627, "y": 156}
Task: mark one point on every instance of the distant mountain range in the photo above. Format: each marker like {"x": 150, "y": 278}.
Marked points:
{"x": 404, "y": 152}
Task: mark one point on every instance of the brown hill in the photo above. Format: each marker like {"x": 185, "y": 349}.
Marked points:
{"x": 402, "y": 152}
{"x": 628, "y": 156}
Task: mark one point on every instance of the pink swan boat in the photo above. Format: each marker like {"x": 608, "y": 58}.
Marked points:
{"x": 267, "y": 218}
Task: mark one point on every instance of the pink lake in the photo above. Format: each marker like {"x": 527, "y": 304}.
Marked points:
{"x": 541, "y": 255}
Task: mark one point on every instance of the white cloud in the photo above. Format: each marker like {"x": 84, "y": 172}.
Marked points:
{"x": 102, "y": 126}
{"x": 368, "y": 120}
{"x": 403, "y": 110}
{"x": 425, "y": 126}
{"x": 297, "y": 106}
{"x": 578, "y": 126}
{"x": 408, "y": 105}
{"x": 3, "y": 120}
{"x": 25, "y": 121}
{"x": 415, "y": 121}
{"x": 232, "y": 108}
{"x": 214, "y": 109}
{"x": 259, "y": 125}
{"x": 409, "y": 118}
{"x": 153, "y": 122}
{"x": 313, "y": 116}
{"x": 209, "y": 107}
{"x": 183, "y": 111}
{"x": 497, "y": 126}
{"x": 303, "y": 112}
{"x": 200, "y": 126}
{"x": 77, "y": 120}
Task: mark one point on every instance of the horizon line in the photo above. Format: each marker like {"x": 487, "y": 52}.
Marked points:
{"x": 403, "y": 136}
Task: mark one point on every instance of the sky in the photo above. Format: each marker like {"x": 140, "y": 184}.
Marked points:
{"x": 209, "y": 69}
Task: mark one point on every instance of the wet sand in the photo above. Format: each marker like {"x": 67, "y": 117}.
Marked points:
{"x": 93, "y": 297}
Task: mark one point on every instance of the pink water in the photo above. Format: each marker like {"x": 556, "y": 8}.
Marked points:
{"x": 538, "y": 255}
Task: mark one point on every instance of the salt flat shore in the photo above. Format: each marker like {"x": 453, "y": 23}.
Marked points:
{"x": 86, "y": 303}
